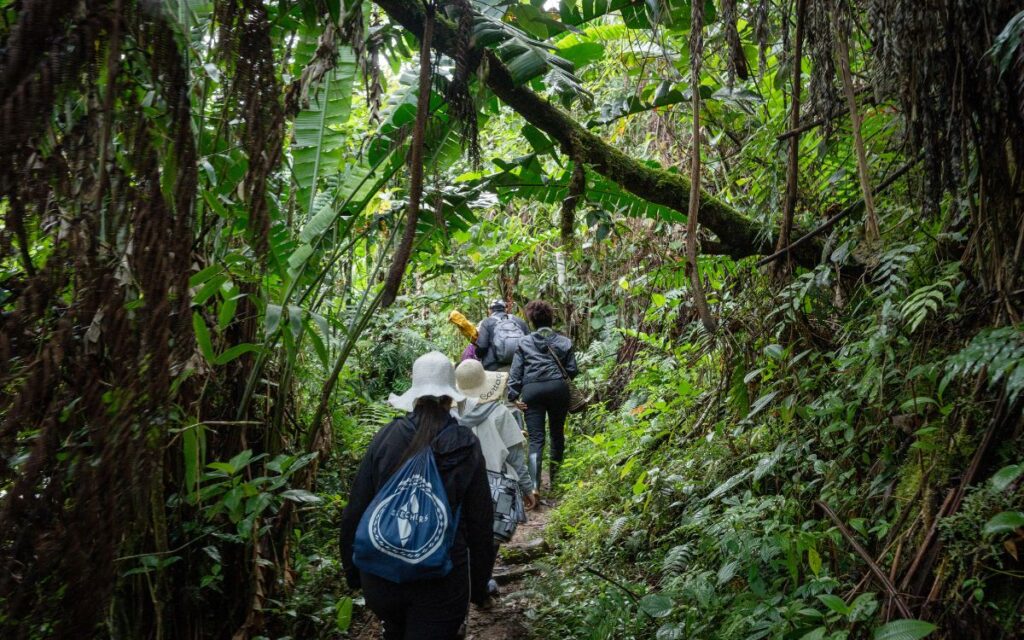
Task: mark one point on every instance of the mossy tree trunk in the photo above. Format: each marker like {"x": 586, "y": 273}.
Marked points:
{"x": 738, "y": 235}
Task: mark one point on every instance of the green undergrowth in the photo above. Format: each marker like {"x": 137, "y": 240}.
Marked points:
{"x": 690, "y": 510}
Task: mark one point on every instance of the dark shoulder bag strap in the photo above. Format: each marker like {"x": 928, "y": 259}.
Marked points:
{"x": 558, "y": 363}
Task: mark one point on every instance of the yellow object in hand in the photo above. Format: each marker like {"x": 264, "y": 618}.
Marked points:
{"x": 466, "y": 328}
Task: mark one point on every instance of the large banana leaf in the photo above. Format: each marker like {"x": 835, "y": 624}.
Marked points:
{"x": 527, "y": 58}
{"x": 577, "y": 12}
{"x": 317, "y": 136}
{"x": 524, "y": 179}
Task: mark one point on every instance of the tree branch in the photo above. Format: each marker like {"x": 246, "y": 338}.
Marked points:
{"x": 831, "y": 222}
{"x": 739, "y": 236}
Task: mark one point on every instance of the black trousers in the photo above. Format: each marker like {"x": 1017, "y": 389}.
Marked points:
{"x": 428, "y": 610}
{"x": 546, "y": 401}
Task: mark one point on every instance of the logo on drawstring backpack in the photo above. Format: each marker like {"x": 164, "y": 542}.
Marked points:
{"x": 406, "y": 532}
{"x": 413, "y": 508}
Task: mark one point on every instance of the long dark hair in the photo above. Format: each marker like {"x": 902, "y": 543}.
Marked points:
{"x": 430, "y": 414}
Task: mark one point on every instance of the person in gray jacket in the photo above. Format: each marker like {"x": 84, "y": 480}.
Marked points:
{"x": 537, "y": 386}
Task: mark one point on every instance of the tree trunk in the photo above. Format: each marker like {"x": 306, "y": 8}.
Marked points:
{"x": 404, "y": 251}
{"x": 793, "y": 166}
{"x": 871, "y": 231}
{"x": 696, "y": 54}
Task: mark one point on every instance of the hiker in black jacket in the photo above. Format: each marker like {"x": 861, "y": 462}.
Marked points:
{"x": 537, "y": 386}
{"x": 496, "y": 337}
{"x": 434, "y": 608}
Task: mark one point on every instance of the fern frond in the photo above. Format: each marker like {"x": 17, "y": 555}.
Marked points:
{"x": 999, "y": 352}
{"x": 928, "y": 299}
{"x": 616, "y": 530}
{"x": 677, "y": 560}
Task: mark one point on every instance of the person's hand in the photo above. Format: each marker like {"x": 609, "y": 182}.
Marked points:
{"x": 530, "y": 500}
{"x": 520, "y": 405}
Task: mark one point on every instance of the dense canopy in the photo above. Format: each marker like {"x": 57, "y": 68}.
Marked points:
{"x": 785, "y": 236}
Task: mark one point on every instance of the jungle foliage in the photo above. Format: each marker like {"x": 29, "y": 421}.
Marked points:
{"x": 786, "y": 237}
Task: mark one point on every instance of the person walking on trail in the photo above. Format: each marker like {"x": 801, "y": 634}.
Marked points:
{"x": 538, "y": 387}
{"x": 499, "y": 335}
{"x": 432, "y": 608}
{"x": 503, "y": 445}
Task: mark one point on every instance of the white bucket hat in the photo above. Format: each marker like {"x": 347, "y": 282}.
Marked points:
{"x": 473, "y": 381}
{"x": 432, "y": 376}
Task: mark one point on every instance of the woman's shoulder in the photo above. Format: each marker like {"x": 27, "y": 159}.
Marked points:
{"x": 454, "y": 436}
{"x": 400, "y": 426}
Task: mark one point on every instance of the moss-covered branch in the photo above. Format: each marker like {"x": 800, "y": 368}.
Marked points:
{"x": 738, "y": 235}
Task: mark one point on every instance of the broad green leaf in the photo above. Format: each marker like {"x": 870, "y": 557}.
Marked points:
{"x": 226, "y": 313}
{"x": 577, "y": 12}
{"x": 671, "y": 631}
{"x": 295, "y": 320}
{"x": 904, "y": 630}
{"x": 656, "y": 605}
{"x": 208, "y": 289}
{"x": 317, "y": 138}
{"x": 318, "y": 224}
{"x": 1005, "y": 476}
{"x": 727, "y": 571}
{"x": 728, "y": 485}
{"x": 202, "y": 276}
{"x": 863, "y": 607}
{"x": 343, "y": 614}
{"x": 233, "y": 352}
{"x": 766, "y": 464}
{"x": 272, "y": 319}
{"x": 917, "y": 404}
{"x": 582, "y": 54}
{"x": 202, "y": 336}
{"x": 814, "y": 561}
{"x": 760, "y": 404}
{"x": 299, "y": 257}
{"x": 835, "y": 603}
{"x": 1004, "y": 522}
{"x": 240, "y": 461}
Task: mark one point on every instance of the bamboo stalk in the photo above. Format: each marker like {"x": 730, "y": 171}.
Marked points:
{"x": 862, "y": 552}
{"x": 871, "y": 230}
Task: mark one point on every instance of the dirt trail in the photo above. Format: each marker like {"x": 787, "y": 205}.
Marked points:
{"x": 504, "y": 620}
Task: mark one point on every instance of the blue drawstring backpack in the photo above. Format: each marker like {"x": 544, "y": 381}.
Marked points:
{"x": 406, "y": 533}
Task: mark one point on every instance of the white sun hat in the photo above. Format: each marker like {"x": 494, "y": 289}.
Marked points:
{"x": 473, "y": 381}
{"x": 432, "y": 376}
